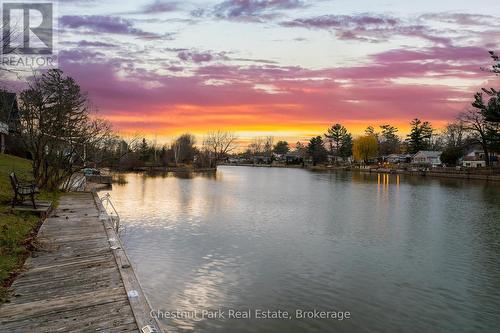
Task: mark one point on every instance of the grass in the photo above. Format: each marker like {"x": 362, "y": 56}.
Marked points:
{"x": 17, "y": 230}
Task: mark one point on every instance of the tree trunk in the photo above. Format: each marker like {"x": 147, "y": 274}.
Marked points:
{"x": 486, "y": 154}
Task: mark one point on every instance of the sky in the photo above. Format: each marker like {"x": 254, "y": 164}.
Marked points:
{"x": 287, "y": 68}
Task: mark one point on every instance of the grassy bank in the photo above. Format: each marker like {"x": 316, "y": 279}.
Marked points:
{"x": 17, "y": 230}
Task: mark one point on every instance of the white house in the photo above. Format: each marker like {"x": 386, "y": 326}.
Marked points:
{"x": 427, "y": 157}
{"x": 398, "y": 158}
{"x": 474, "y": 159}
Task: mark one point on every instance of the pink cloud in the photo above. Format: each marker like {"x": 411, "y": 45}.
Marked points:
{"x": 365, "y": 93}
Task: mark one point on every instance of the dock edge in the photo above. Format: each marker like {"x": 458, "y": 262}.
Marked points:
{"x": 139, "y": 303}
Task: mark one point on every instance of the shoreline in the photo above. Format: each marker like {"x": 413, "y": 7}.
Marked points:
{"x": 164, "y": 169}
{"x": 435, "y": 173}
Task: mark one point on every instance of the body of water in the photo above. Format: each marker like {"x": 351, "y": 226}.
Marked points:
{"x": 401, "y": 254}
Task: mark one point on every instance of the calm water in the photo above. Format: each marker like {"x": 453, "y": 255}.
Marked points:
{"x": 401, "y": 254}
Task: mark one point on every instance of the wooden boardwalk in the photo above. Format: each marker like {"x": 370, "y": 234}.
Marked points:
{"x": 73, "y": 282}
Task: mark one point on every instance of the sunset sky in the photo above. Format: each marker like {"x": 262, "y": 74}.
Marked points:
{"x": 286, "y": 68}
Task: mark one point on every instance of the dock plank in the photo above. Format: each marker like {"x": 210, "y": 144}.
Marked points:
{"x": 73, "y": 282}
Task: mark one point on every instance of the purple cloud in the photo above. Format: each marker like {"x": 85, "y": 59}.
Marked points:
{"x": 158, "y": 6}
{"x": 244, "y": 9}
{"x": 379, "y": 97}
{"x": 442, "y": 54}
{"x": 200, "y": 57}
{"x": 103, "y": 24}
{"x": 462, "y": 18}
{"x": 80, "y": 55}
{"x": 342, "y": 21}
{"x": 372, "y": 28}
{"x": 86, "y": 43}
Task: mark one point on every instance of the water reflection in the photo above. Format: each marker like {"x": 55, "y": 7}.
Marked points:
{"x": 401, "y": 253}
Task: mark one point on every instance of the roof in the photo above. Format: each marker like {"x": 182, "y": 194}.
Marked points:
{"x": 473, "y": 158}
{"x": 429, "y": 153}
{"x": 398, "y": 155}
{"x": 293, "y": 153}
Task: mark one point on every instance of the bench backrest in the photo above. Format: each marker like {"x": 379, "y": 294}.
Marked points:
{"x": 13, "y": 181}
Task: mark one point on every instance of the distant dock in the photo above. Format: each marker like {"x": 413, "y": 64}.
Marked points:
{"x": 79, "y": 279}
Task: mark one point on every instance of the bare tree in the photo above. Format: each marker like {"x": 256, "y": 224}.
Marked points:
{"x": 454, "y": 134}
{"x": 268, "y": 146}
{"x": 219, "y": 144}
{"x": 58, "y": 129}
{"x": 256, "y": 146}
{"x": 335, "y": 136}
{"x": 184, "y": 149}
{"x": 10, "y": 35}
{"x": 482, "y": 131}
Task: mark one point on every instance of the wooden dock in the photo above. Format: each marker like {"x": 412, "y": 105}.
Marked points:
{"x": 79, "y": 280}
{"x": 42, "y": 209}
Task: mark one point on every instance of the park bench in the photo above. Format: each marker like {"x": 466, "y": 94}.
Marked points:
{"x": 22, "y": 191}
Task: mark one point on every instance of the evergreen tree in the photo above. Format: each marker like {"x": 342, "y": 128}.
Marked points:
{"x": 489, "y": 105}
{"x": 281, "y": 148}
{"x": 371, "y": 131}
{"x": 420, "y": 136}
{"x": 144, "y": 150}
{"x": 335, "y": 135}
{"x": 316, "y": 150}
{"x": 340, "y": 141}
{"x": 390, "y": 143}
{"x": 345, "y": 150}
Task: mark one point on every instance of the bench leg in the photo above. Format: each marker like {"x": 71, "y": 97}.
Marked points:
{"x": 33, "y": 200}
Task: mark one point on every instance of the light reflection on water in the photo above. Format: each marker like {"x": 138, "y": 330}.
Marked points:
{"x": 402, "y": 254}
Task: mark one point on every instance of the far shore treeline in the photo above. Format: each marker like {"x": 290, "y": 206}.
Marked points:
{"x": 60, "y": 131}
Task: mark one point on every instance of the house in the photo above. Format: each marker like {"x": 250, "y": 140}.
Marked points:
{"x": 398, "y": 158}
{"x": 9, "y": 117}
{"x": 261, "y": 159}
{"x": 332, "y": 159}
{"x": 427, "y": 157}
{"x": 475, "y": 159}
{"x": 294, "y": 157}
